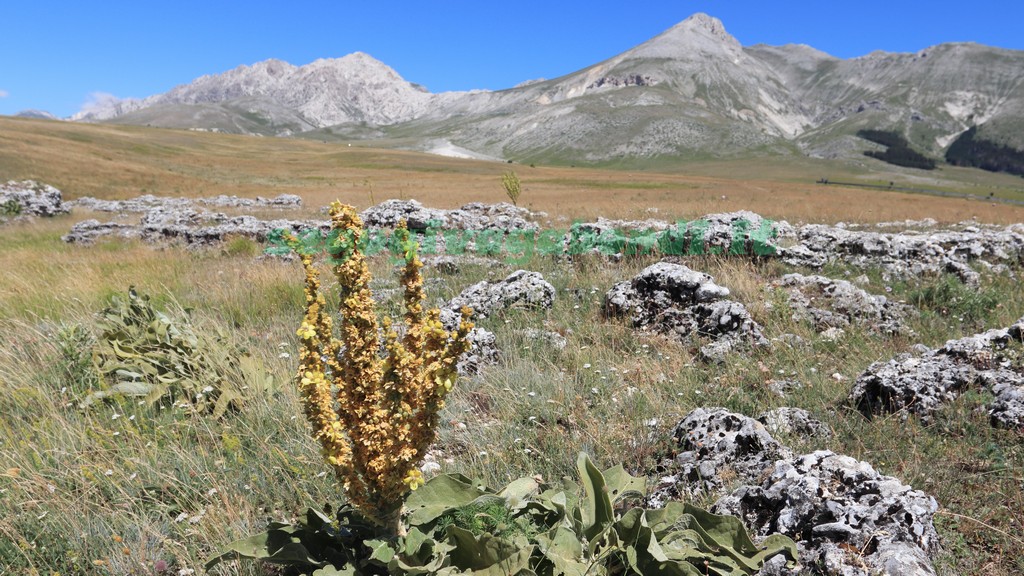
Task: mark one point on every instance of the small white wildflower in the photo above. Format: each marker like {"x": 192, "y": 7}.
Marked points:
{"x": 116, "y": 434}
{"x": 482, "y": 454}
{"x": 133, "y": 475}
{"x": 211, "y": 492}
{"x": 131, "y": 418}
{"x": 321, "y": 474}
{"x": 51, "y": 488}
{"x": 593, "y": 390}
{"x": 181, "y": 517}
{"x": 142, "y": 402}
{"x": 461, "y": 425}
{"x": 108, "y": 472}
{"x": 284, "y": 355}
{"x": 576, "y": 307}
{"x": 531, "y": 394}
{"x": 115, "y": 416}
{"x": 586, "y": 366}
{"x": 63, "y": 389}
{"x": 186, "y": 571}
{"x": 208, "y": 389}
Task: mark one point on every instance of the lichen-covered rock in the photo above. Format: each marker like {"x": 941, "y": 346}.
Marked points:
{"x": 920, "y": 385}
{"x": 923, "y": 384}
{"x": 1007, "y": 410}
{"x": 31, "y": 198}
{"x": 715, "y": 448}
{"x": 846, "y": 517}
{"x": 794, "y": 421}
{"x": 483, "y": 351}
{"x": 831, "y": 303}
{"x": 521, "y": 288}
{"x": 673, "y": 299}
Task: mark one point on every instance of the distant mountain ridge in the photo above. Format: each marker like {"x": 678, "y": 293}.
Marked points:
{"x": 691, "y": 91}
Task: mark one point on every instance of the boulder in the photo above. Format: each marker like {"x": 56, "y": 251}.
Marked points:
{"x": 845, "y": 517}
{"x": 715, "y": 449}
{"x": 31, "y": 198}
{"x": 521, "y": 288}
{"x": 831, "y": 303}
{"x": 673, "y": 299}
{"x": 923, "y": 384}
{"x": 472, "y": 216}
{"x": 906, "y": 254}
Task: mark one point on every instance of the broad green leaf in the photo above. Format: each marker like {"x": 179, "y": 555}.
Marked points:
{"x": 441, "y": 494}
{"x": 562, "y": 547}
{"x": 518, "y": 490}
{"x": 622, "y": 485}
{"x": 596, "y": 506}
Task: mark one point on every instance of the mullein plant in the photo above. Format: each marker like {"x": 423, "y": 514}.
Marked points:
{"x": 374, "y": 415}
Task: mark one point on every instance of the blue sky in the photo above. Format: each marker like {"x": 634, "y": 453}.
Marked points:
{"x": 54, "y": 55}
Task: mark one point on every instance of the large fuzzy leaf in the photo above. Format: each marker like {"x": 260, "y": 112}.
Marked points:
{"x": 440, "y": 495}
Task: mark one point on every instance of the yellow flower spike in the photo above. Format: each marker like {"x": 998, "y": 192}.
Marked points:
{"x": 374, "y": 417}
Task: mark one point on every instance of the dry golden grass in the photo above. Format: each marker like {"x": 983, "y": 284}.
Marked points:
{"x": 116, "y": 162}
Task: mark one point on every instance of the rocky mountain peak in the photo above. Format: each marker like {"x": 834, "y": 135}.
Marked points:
{"x": 699, "y": 34}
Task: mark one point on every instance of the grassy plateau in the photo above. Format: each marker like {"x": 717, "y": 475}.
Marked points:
{"x": 130, "y": 488}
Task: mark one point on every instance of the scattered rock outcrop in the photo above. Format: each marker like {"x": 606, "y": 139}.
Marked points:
{"x": 520, "y": 288}
{"x": 472, "y": 216}
{"x": 904, "y": 254}
{"x": 673, "y": 299}
{"x": 147, "y": 202}
{"x": 740, "y": 232}
{"x": 923, "y": 384}
{"x": 30, "y": 198}
{"x": 846, "y": 518}
{"x": 186, "y": 225}
{"x": 830, "y": 303}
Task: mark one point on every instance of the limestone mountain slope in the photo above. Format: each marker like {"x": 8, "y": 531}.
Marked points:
{"x": 691, "y": 91}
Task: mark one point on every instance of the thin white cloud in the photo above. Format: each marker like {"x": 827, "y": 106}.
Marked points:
{"x": 4, "y": 94}
{"x": 99, "y": 106}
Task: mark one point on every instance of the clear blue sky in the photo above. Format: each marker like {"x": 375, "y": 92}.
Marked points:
{"x": 53, "y": 55}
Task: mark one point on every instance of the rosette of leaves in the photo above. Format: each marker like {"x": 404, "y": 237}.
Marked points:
{"x": 530, "y": 527}
{"x": 144, "y": 352}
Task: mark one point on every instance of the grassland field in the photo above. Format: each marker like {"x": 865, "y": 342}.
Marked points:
{"x": 121, "y": 487}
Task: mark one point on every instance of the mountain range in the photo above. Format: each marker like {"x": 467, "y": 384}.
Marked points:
{"x": 692, "y": 91}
